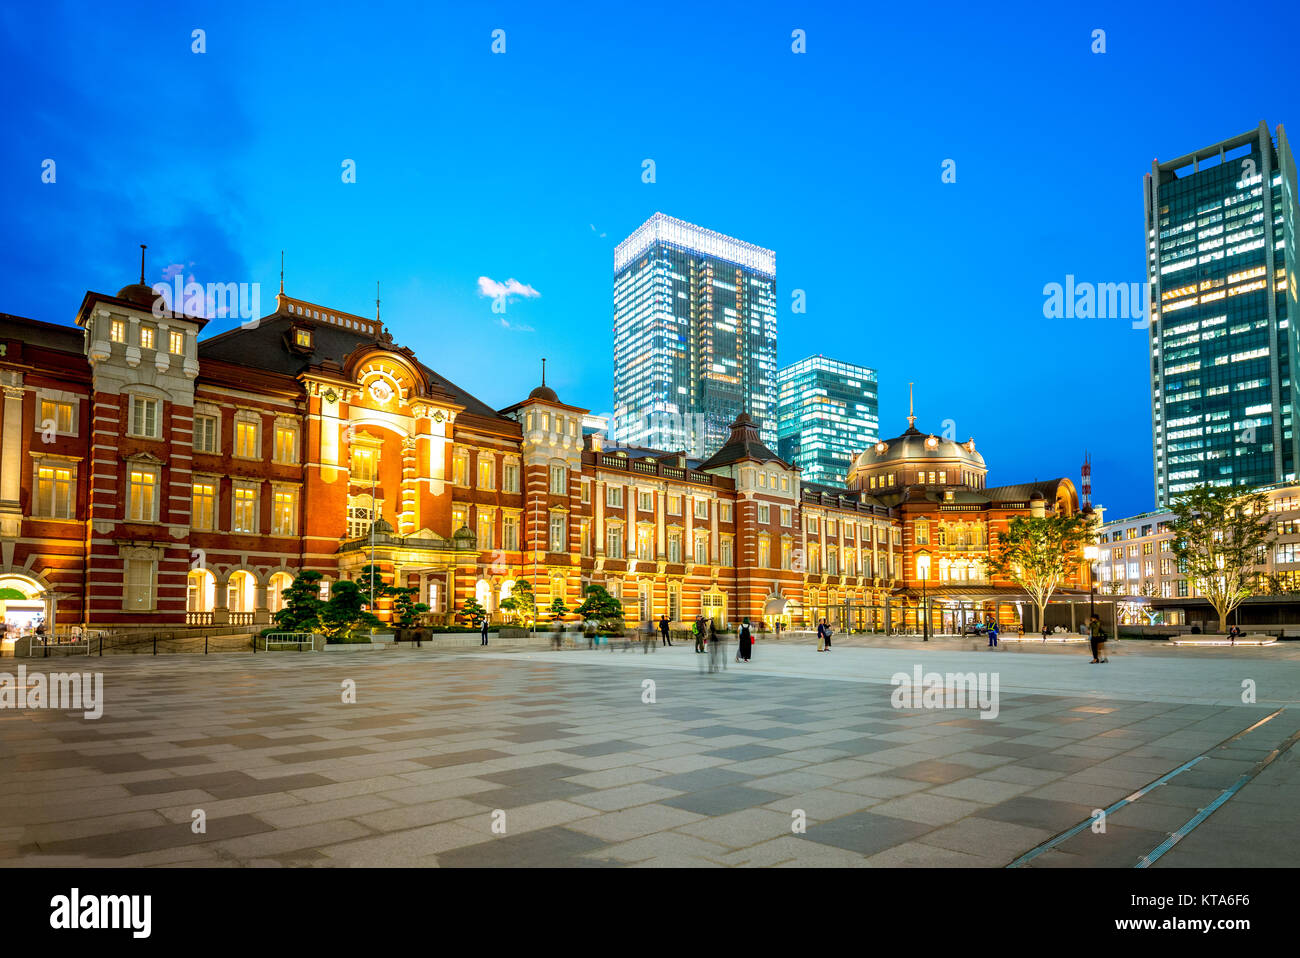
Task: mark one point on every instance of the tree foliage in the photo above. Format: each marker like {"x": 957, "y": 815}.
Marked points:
{"x": 521, "y": 602}
{"x": 302, "y": 604}
{"x": 344, "y": 616}
{"x": 1221, "y": 536}
{"x": 472, "y": 611}
{"x": 1038, "y": 553}
{"x": 600, "y": 606}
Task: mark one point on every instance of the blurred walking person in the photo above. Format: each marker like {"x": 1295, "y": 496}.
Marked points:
{"x": 745, "y": 645}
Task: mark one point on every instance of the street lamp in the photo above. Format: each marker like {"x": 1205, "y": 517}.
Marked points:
{"x": 923, "y": 569}
{"x": 1090, "y": 553}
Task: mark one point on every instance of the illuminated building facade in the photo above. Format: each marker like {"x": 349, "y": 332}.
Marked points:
{"x": 828, "y": 412}
{"x": 153, "y": 478}
{"x": 694, "y": 337}
{"x": 1221, "y": 260}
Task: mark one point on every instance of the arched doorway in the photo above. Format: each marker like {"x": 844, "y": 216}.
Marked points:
{"x": 24, "y": 605}
{"x": 241, "y": 593}
{"x": 483, "y": 594}
{"x": 200, "y": 595}
{"x": 275, "y": 589}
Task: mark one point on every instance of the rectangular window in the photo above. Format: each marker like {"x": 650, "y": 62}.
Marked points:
{"x": 138, "y": 584}
{"x": 724, "y": 511}
{"x": 54, "y": 492}
{"x": 302, "y": 337}
{"x": 459, "y": 517}
{"x": 614, "y": 542}
{"x": 764, "y": 513}
{"x": 486, "y": 472}
{"x": 176, "y": 342}
{"x": 247, "y": 445}
{"x": 785, "y": 553}
{"x": 203, "y": 505}
{"x": 486, "y": 533}
{"x": 646, "y": 501}
{"x": 559, "y": 480}
{"x": 244, "y": 510}
{"x": 117, "y": 332}
{"x": 284, "y": 512}
{"x": 205, "y": 434}
{"x": 645, "y": 544}
{"x": 142, "y": 495}
{"x": 702, "y": 550}
{"x": 586, "y": 491}
{"x": 787, "y": 516}
{"x": 365, "y": 463}
{"x": 57, "y": 415}
{"x": 146, "y": 337}
{"x": 674, "y": 505}
{"x": 764, "y": 553}
{"x": 701, "y": 508}
{"x": 674, "y": 547}
{"x": 614, "y": 496}
{"x": 510, "y": 533}
{"x": 144, "y": 417}
{"x": 460, "y": 468}
{"x": 558, "y": 542}
{"x": 510, "y": 477}
{"x": 286, "y": 445}
{"x": 725, "y": 552}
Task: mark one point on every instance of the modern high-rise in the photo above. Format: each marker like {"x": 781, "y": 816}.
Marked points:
{"x": 1221, "y": 263}
{"x": 694, "y": 337}
{"x": 828, "y": 413}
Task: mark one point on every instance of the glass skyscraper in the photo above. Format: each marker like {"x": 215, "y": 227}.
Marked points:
{"x": 829, "y": 412}
{"x": 1221, "y": 264}
{"x": 694, "y": 337}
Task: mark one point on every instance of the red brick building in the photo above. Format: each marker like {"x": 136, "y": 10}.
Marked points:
{"x": 152, "y": 478}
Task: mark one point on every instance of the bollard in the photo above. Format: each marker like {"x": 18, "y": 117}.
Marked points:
{"x": 205, "y": 643}
{"x": 155, "y": 643}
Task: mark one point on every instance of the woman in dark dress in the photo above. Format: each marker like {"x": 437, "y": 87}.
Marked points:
{"x": 746, "y": 643}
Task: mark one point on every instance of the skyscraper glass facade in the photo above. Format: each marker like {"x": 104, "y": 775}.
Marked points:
{"x": 828, "y": 412}
{"x": 694, "y": 337}
{"x": 1221, "y": 262}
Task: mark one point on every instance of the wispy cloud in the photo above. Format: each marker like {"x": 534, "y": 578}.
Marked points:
{"x": 512, "y": 287}
{"x": 517, "y": 327}
{"x": 594, "y": 230}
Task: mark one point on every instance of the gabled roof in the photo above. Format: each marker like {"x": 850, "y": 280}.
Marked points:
{"x": 265, "y": 345}
{"x": 1024, "y": 491}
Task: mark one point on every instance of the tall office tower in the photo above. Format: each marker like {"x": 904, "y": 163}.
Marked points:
{"x": 829, "y": 412}
{"x": 1221, "y": 246}
{"x": 694, "y": 337}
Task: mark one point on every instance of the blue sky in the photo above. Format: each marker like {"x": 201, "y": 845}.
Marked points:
{"x": 527, "y": 165}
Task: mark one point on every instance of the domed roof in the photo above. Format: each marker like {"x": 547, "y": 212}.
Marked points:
{"x": 916, "y": 445}
{"x": 137, "y": 293}
{"x": 544, "y": 392}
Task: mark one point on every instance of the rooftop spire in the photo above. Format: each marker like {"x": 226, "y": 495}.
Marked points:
{"x": 911, "y": 412}
{"x": 142, "y": 249}
{"x": 281, "y": 272}
{"x": 376, "y": 301}
{"x": 543, "y": 370}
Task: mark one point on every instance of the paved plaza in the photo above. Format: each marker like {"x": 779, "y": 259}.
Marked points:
{"x": 557, "y": 758}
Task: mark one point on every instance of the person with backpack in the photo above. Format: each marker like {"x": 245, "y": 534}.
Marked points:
{"x": 699, "y": 633}
{"x": 663, "y": 630}
{"x": 745, "y": 646}
{"x": 1096, "y": 639}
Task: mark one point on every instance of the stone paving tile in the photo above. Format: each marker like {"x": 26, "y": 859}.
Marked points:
{"x": 983, "y": 837}
{"x": 403, "y": 847}
{"x": 625, "y": 796}
{"x": 720, "y": 801}
{"x": 663, "y": 845}
{"x": 793, "y": 850}
{"x": 742, "y": 828}
{"x": 620, "y": 826}
{"x": 927, "y": 808}
{"x": 865, "y": 832}
{"x": 823, "y": 804}
{"x": 919, "y": 854}
{"x": 701, "y": 779}
{"x": 880, "y": 786}
{"x": 555, "y": 847}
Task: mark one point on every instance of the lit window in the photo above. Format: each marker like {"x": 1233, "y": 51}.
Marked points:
{"x": 674, "y": 547}
{"x": 787, "y": 515}
{"x": 724, "y": 511}
{"x": 786, "y": 549}
{"x": 176, "y": 342}
{"x": 558, "y": 541}
{"x": 247, "y": 443}
{"x": 702, "y": 549}
{"x": 646, "y": 501}
{"x": 302, "y": 337}
{"x": 510, "y": 533}
{"x": 117, "y": 331}
{"x": 486, "y": 532}
{"x": 203, "y": 505}
{"x": 614, "y": 496}
{"x": 244, "y": 510}
{"x": 54, "y": 492}
{"x": 365, "y": 463}
{"x": 614, "y": 542}
{"x": 460, "y": 467}
{"x": 142, "y": 495}
{"x": 284, "y": 512}
{"x": 764, "y": 513}
{"x": 725, "y": 557}
{"x": 56, "y": 415}
{"x": 286, "y": 444}
{"x": 510, "y": 477}
{"x": 559, "y": 480}
{"x": 486, "y": 472}
{"x": 701, "y": 508}
{"x": 764, "y": 553}
{"x": 147, "y": 334}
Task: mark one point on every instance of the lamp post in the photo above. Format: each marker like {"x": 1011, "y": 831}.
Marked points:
{"x": 924, "y": 568}
{"x": 1090, "y": 554}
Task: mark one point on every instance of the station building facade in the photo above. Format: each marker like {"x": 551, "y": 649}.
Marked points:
{"x": 154, "y": 477}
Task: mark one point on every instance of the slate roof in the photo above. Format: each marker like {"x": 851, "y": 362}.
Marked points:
{"x": 1024, "y": 491}
{"x": 68, "y": 339}
{"x": 742, "y": 444}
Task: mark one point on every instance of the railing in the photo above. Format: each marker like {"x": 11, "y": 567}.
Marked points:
{"x": 198, "y": 618}
{"x": 282, "y": 639}
{"x": 241, "y": 618}
{"x": 647, "y": 467}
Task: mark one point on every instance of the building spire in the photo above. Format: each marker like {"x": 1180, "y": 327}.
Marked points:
{"x": 377, "y": 302}
{"x": 911, "y": 411}
{"x": 281, "y": 272}
{"x": 142, "y": 249}
{"x": 543, "y": 370}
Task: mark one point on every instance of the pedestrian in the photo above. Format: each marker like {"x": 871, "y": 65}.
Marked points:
{"x": 821, "y": 635}
{"x": 663, "y": 630}
{"x": 1095, "y": 638}
{"x": 717, "y": 648}
{"x": 829, "y": 633}
{"x": 699, "y": 633}
{"x": 1233, "y": 635}
{"x": 745, "y": 646}
{"x": 1045, "y": 631}
{"x": 993, "y": 635}
{"x": 483, "y": 631}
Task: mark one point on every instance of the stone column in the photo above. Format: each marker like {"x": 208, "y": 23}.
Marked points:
{"x": 11, "y": 457}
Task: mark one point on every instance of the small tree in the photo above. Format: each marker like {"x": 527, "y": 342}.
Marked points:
{"x": 406, "y": 611}
{"x": 302, "y": 604}
{"x": 521, "y": 602}
{"x": 1220, "y": 535}
{"x": 1039, "y": 552}
{"x": 371, "y": 581}
{"x": 558, "y": 609}
{"x": 472, "y": 611}
{"x": 344, "y": 615}
{"x": 600, "y": 606}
